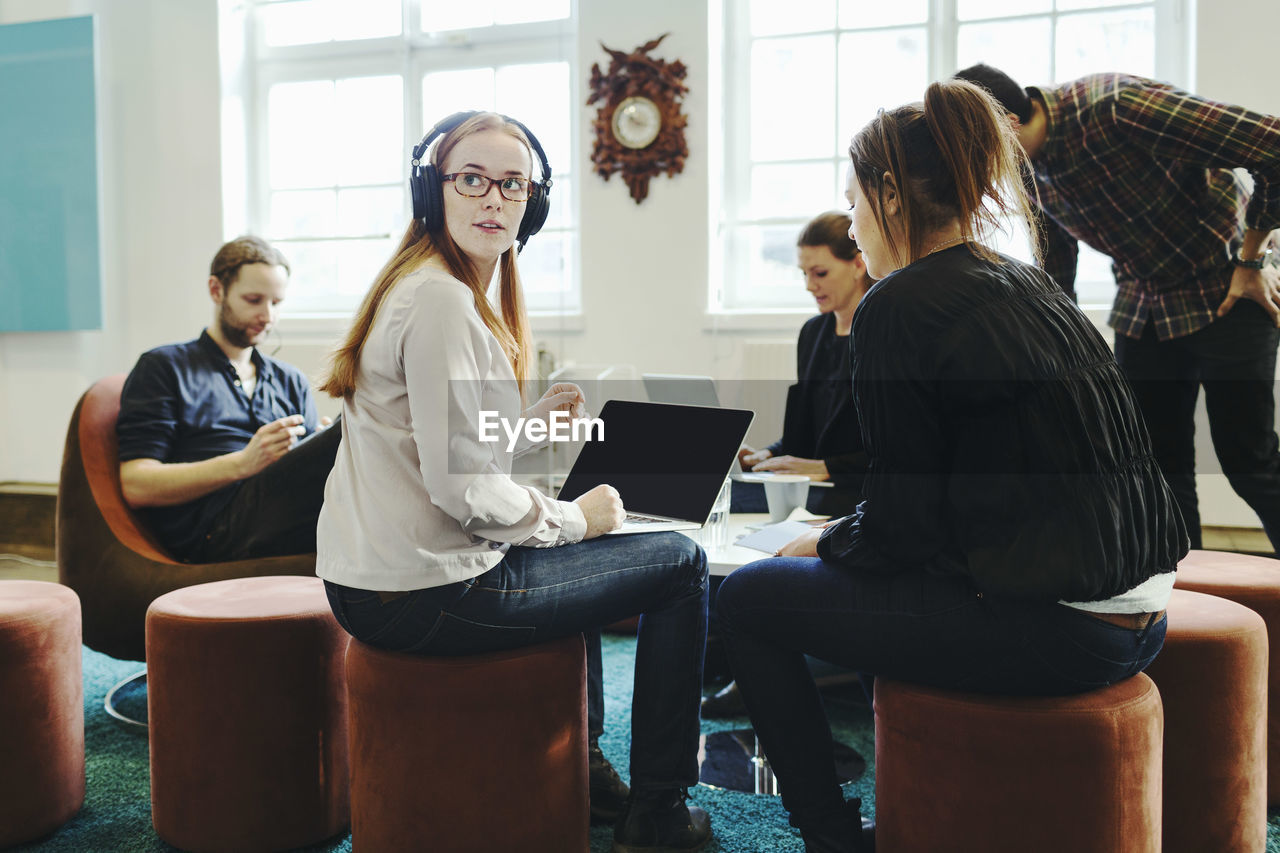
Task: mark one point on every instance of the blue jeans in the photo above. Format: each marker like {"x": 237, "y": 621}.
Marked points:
{"x": 539, "y": 594}
{"x": 911, "y": 626}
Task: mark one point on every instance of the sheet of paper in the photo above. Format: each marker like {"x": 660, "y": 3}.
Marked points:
{"x": 772, "y": 537}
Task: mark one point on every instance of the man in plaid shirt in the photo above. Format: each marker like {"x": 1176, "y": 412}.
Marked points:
{"x": 1142, "y": 172}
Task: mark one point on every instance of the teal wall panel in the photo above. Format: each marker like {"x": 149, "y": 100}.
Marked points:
{"x": 50, "y": 268}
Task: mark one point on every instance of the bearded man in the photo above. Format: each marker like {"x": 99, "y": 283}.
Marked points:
{"x": 217, "y": 451}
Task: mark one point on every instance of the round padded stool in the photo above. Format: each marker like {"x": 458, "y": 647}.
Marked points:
{"x": 1212, "y": 675}
{"x": 483, "y": 752}
{"x": 41, "y": 709}
{"x": 965, "y": 772}
{"x": 1255, "y": 583}
{"x": 247, "y": 707}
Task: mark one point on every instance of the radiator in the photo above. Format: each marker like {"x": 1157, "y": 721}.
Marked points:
{"x": 769, "y": 360}
{"x": 768, "y": 367}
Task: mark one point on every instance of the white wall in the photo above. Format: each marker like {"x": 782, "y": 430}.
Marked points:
{"x": 644, "y": 267}
{"x": 1235, "y": 52}
{"x": 161, "y": 214}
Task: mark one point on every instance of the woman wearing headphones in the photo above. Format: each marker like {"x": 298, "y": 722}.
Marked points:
{"x": 427, "y": 545}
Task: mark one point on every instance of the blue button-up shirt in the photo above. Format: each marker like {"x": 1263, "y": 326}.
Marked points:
{"x": 184, "y": 403}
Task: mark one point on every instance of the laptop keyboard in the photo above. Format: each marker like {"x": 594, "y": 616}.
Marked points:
{"x": 642, "y": 519}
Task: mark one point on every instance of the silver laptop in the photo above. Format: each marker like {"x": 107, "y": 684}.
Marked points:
{"x": 667, "y": 461}
{"x": 681, "y": 388}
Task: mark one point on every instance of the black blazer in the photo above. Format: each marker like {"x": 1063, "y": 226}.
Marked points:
{"x": 821, "y": 421}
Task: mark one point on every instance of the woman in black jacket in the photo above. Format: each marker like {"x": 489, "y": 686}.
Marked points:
{"x": 820, "y": 434}
{"x": 1015, "y": 534}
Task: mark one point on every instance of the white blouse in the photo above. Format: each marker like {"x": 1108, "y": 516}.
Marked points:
{"x": 415, "y": 498}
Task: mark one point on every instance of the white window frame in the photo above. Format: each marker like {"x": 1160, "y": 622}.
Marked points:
{"x": 410, "y": 55}
{"x": 1173, "y": 42}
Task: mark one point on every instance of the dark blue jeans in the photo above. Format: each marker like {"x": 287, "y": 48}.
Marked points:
{"x": 911, "y": 626}
{"x": 1234, "y": 360}
{"x": 539, "y": 594}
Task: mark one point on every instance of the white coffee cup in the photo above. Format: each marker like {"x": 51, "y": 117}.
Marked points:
{"x": 785, "y": 492}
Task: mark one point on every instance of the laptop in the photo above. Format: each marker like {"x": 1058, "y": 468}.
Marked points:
{"x": 667, "y": 461}
{"x": 680, "y": 388}
{"x": 701, "y": 391}
{"x": 696, "y": 391}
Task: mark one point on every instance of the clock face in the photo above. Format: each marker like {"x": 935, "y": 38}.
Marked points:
{"x": 636, "y": 122}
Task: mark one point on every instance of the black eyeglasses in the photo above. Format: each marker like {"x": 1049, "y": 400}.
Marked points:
{"x": 474, "y": 185}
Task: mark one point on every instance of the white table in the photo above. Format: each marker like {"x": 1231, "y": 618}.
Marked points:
{"x": 722, "y": 561}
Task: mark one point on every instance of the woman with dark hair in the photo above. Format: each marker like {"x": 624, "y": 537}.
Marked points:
{"x": 425, "y": 543}
{"x": 820, "y": 437}
{"x": 1015, "y": 535}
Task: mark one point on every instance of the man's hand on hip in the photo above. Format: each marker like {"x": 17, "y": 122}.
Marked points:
{"x": 1262, "y": 286}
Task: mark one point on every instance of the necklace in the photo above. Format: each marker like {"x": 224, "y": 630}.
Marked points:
{"x": 944, "y": 244}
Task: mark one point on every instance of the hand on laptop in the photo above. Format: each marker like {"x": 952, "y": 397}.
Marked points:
{"x": 814, "y": 469}
{"x": 748, "y": 458}
{"x": 602, "y": 507}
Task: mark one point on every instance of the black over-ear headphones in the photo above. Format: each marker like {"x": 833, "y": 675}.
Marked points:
{"x": 424, "y": 182}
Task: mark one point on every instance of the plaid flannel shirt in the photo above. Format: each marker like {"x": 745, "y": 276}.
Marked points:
{"x": 1142, "y": 172}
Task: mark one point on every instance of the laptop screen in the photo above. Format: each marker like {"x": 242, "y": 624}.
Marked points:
{"x": 663, "y": 459}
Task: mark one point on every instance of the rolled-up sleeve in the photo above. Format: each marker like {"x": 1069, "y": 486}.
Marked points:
{"x": 150, "y": 409}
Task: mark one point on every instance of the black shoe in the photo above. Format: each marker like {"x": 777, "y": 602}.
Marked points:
{"x": 660, "y": 822}
{"x": 727, "y": 703}
{"x": 846, "y": 832}
{"x": 608, "y": 791}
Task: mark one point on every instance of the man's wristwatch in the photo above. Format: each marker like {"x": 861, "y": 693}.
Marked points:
{"x": 1254, "y": 264}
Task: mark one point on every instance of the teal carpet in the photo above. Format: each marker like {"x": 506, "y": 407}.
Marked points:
{"x": 117, "y": 811}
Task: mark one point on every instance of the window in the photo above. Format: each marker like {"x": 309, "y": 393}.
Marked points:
{"x": 331, "y": 96}
{"x": 817, "y": 70}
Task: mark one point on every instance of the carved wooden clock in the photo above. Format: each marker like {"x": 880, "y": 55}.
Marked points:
{"x": 639, "y": 125}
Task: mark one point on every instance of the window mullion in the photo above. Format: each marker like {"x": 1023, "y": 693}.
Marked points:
{"x": 1172, "y": 42}
{"x": 738, "y": 172}
{"x": 944, "y": 36}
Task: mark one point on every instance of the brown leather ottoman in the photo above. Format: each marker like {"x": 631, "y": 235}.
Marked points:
{"x": 964, "y": 772}
{"x": 1255, "y": 583}
{"x": 247, "y": 706}
{"x": 485, "y": 752}
{"x": 1212, "y": 675}
{"x": 41, "y": 709}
